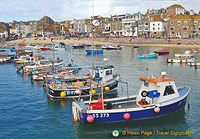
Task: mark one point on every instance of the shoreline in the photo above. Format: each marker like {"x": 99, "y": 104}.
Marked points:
{"x": 176, "y": 43}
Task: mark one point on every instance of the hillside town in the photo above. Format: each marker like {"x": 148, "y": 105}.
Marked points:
{"x": 172, "y": 22}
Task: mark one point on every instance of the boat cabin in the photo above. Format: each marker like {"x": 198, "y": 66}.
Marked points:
{"x": 183, "y": 56}
{"x": 103, "y": 74}
{"x": 156, "y": 90}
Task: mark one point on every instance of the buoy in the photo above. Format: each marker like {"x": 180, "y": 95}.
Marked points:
{"x": 156, "y": 109}
{"x": 24, "y": 69}
{"x": 78, "y": 91}
{"x": 127, "y": 116}
{"x": 107, "y": 88}
{"x": 63, "y": 94}
{"x": 63, "y": 82}
{"x": 93, "y": 92}
{"x": 100, "y": 100}
{"x": 90, "y": 118}
{"x": 50, "y": 82}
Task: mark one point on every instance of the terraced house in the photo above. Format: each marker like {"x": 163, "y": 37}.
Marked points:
{"x": 130, "y": 24}
{"x": 116, "y": 25}
{"x": 180, "y": 26}
{"x": 157, "y": 26}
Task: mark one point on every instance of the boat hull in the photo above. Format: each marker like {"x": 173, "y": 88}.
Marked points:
{"x": 70, "y": 93}
{"x": 94, "y": 51}
{"x": 146, "y": 56}
{"x": 134, "y": 115}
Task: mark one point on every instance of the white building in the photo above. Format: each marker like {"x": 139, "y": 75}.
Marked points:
{"x": 158, "y": 27}
{"x": 130, "y": 24}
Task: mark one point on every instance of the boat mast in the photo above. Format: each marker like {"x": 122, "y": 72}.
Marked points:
{"x": 92, "y": 60}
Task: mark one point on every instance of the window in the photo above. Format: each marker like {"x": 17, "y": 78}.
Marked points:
{"x": 108, "y": 72}
{"x": 184, "y": 27}
{"x": 147, "y": 23}
{"x": 172, "y": 23}
{"x": 195, "y": 22}
{"x": 153, "y": 24}
{"x": 178, "y": 34}
{"x": 158, "y": 24}
{"x": 146, "y": 83}
{"x": 171, "y": 28}
{"x": 185, "y": 22}
{"x": 158, "y": 28}
{"x": 169, "y": 90}
{"x": 178, "y": 22}
{"x": 153, "y": 28}
{"x": 199, "y": 28}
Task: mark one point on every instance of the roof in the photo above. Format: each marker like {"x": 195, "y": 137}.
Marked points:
{"x": 66, "y": 28}
{"x": 156, "y": 18}
{"x": 182, "y": 17}
{"x": 175, "y": 6}
{"x": 156, "y": 80}
{"x": 55, "y": 26}
{"x": 195, "y": 16}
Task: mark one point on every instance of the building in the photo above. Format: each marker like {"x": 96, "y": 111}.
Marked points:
{"x": 116, "y": 25}
{"x": 33, "y": 28}
{"x": 65, "y": 27}
{"x": 4, "y": 30}
{"x": 44, "y": 26}
{"x": 80, "y": 26}
{"x": 130, "y": 24}
{"x": 180, "y": 26}
{"x": 196, "y": 25}
{"x": 157, "y": 26}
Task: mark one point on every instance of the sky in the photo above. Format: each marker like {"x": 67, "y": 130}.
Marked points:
{"x": 60, "y": 10}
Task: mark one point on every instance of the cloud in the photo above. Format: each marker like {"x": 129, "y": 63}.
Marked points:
{"x": 59, "y": 10}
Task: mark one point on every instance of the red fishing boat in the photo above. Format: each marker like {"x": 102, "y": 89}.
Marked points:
{"x": 162, "y": 52}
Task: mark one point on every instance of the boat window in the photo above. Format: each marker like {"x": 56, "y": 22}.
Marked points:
{"x": 146, "y": 83}
{"x": 169, "y": 90}
{"x": 108, "y": 72}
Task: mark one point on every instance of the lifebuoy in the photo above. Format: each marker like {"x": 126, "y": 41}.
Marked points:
{"x": 144, "y": 93}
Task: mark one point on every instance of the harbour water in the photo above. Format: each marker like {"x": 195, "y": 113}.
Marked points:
{"x": 26, "y": 112}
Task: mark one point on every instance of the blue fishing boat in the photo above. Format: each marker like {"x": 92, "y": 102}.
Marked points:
{"x": 95, "y": 51}
{"x": 147, "y": 56}
{"x": 157, "y": 97}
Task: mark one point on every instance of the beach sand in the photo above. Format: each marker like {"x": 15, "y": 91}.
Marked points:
{"x": 186, "y": 43}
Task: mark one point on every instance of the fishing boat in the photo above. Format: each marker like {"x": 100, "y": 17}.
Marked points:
{"x": 147, "y": 56}
{"x": 5, "y": 59}
{"x": 162, "y": 52}
{"x": 78, "y": 46}
{"x": 182, "y": 58}
{"x": 111, "y": 47}
{"x": 94, "y": 51}
{"x": 73, "y": 86}
{"x": 157, "y": 97}
{"x": 59, "y": 46}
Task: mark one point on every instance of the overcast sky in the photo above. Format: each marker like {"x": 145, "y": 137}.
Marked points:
{"x": 59, "y": 10}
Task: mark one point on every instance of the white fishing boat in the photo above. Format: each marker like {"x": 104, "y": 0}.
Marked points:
{"x": 182, "y": 58}
{"x": 111, "y": 47}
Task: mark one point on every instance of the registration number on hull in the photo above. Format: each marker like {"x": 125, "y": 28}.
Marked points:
{"x": 100, "y": 115}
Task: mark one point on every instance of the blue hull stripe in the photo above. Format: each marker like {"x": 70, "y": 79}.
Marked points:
{"x": 136, "y": 115}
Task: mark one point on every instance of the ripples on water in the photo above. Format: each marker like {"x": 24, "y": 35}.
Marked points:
{"x": 26, "y": 112}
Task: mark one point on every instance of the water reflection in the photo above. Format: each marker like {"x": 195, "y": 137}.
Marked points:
{"x": 171, "y": 122}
